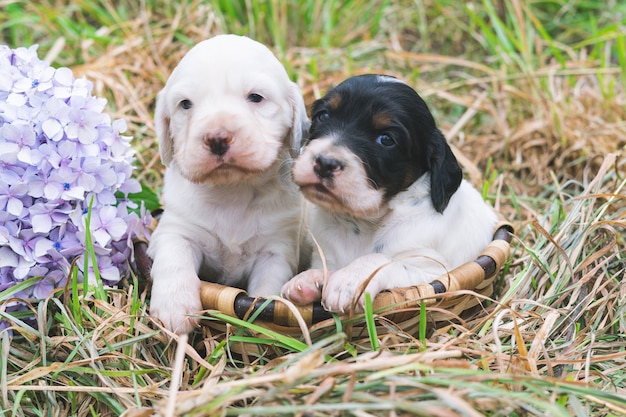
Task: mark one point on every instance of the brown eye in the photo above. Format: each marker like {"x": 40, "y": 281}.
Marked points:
{"x": 185, "y": 104}
{"x": 255, "y": 98}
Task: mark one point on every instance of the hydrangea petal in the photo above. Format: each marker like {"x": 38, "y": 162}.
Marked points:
{"x": 43, "y": 247}
{"x": 53, "y": 191}
{"x": 8, "y": 151}
{"x": 117, "y": 228}
{"x": 15, "y": 206}
{"x": 64, "y": 76}
{"x": 23, "y": 268}
{"x": 74, "y": 193}
{"x": 42, "y": 223}
{"x": 107, "y": 175}
{"x": 22, "y": 85}
{"x": 29, "y": 156}
{"x": 7, "y": 257}
{"x": 130, "y": 186}
{"x": 52, "y": 129}
{"x": 101, "y": 237}
{"x": 110, "y": 274}
{"x": 44, "y": 287}
{"x": 10, "y": 132}
{"x": 16, "y": 99}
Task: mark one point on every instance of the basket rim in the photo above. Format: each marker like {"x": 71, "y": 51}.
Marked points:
{"x": 236, "y": 303}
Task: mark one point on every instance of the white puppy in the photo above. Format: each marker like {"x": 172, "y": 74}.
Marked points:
{"x": 228, "y": 122}
{"x": 391, "y": 207}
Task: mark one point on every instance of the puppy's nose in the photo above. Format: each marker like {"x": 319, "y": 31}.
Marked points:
{"x": 326, "y": 167}
{"x": 218, "y": 143}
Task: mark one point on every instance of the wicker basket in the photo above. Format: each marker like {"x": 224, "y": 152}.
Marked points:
{"x": 452, "y": 294}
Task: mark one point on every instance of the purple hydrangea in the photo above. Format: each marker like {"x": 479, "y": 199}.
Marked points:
{"x": 58, "y": 154}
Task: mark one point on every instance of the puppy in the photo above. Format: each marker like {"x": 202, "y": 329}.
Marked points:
{"x": 391, "y": 208}
{"x": 228, "y": 122}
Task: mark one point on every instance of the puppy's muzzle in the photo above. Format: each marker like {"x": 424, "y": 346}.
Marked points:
{"x": 218, "y": 143}
{"x": 326, "y": 168}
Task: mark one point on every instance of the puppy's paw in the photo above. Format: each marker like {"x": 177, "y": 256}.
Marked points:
{"x": 345, "y": 291}
{"x": 305, "y": 287}
{"x": 340, "y": 292}
{"x": 175, "y": 307}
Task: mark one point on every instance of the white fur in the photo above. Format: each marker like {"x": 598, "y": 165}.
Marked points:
{"x": 352, "y": 193}
{"x": 232, "y": 218}
{"x": 408, "y": 244}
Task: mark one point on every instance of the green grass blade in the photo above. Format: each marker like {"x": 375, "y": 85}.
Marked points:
{"x": 278, "y": 338}
{"x": 370, "y": 322}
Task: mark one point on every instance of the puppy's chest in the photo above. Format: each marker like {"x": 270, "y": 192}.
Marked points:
{"x": 232, "y": 222}
{"x": 243, "y": 230}
{"x": 342, "y": 240}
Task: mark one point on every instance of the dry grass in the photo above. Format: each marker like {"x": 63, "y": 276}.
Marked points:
{"x": 546, "y": 142}
{"x": 531, "y": 124}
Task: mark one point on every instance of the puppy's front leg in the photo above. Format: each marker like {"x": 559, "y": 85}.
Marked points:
{"x": 175, "y": 283}
{"x": 269, "y": 273}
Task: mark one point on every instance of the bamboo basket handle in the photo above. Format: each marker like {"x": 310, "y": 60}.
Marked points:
{"x": 235, "y": 302}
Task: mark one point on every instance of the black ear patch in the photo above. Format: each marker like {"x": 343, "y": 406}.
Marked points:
{"x": 445, "y": 173}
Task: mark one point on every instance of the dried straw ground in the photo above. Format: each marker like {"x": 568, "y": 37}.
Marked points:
{"x": 549, "y": 146}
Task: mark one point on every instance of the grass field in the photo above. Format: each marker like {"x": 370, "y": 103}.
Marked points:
{"x": 532, "y": 94}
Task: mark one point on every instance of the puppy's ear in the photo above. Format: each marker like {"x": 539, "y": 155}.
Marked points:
{"x": 162, "y": 128}
{"x": 445, "y": 172}
{"x": 300, "y": 121}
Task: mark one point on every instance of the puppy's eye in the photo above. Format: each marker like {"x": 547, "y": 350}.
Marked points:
{"x": 255, "y": 98}
{"x": 321, "y": 116}
{"x": 385, "y": 140}
{"x": 185, "y": 104}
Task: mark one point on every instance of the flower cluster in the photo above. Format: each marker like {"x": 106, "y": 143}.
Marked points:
{"x": 59, "y": 155}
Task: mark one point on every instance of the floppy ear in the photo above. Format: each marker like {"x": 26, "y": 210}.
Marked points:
{"x": 300, "y": 121}
{"x": 162, "y": 128}
{"x": 445, "y": 172}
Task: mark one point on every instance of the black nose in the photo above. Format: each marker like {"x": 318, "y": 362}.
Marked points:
{"x": 219, "y": 143}
{"x": 326, "y": 167}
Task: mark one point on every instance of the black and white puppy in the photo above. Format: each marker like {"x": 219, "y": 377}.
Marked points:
{"x": 228, "y": 120}
{"x": 391, "y": 208}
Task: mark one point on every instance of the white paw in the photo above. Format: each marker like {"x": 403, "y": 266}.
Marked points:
{"x": 346, "y": 287}
{"x": 341, "y": 292}
{"x": 174, "y": 307}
